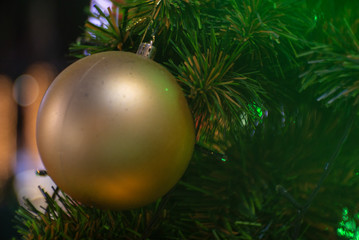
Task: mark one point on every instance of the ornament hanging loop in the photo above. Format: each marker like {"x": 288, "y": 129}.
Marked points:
{"x": 147, "y": 49}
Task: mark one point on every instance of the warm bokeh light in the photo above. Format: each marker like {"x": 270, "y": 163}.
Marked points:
{"x": 28, "y": 91}
{"x": 43, "y": 74}
{"x": 8, "y": 122}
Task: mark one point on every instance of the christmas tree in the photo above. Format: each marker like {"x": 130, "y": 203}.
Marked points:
{"x": 272, "y": 87}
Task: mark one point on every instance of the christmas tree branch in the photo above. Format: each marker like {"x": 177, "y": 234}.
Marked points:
{"x": 218, "y": 95}
{"x": 302, "y": 208}
{"x": 334, "y": 67}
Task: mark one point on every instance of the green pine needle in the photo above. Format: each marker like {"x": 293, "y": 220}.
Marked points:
{"x": 218, "y": 94}
{"x": 334, "y": 69}
{"x": 64, "y": 218}
{"x": 272, "y": 31}
{"x": 117, "y": 32}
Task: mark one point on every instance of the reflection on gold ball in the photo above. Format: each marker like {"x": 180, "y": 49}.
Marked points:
{"x": 114, "y": 130}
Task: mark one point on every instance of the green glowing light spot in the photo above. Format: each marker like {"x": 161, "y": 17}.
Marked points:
{"x": 357, "y": 173}
{"x": 348, "y": 226}
{"x": 345, "y": 211}
{"x": 340, "y": 232}
{"x": 315, "y": 18}
{"x": 256, "y": 110}
{"x": 166, "y": 89}
{"x": 224, "y": 160}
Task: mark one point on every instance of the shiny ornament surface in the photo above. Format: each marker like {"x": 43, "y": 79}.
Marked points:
{"x": 114, "y": 130}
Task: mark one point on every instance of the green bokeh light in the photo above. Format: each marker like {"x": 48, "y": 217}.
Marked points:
{"x": 347, "y": 227}
{"x": 256, "y": 110}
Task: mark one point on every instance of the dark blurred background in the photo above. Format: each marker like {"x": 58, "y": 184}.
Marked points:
{"x": 38, "y": 30}
{"x": 35, "y": 36}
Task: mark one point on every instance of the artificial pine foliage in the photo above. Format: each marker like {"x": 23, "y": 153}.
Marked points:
{"x": 273, "y": 88}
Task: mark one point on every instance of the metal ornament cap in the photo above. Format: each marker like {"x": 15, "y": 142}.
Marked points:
{"x": 147, "y": 50}
{"x": 114, "y": 131}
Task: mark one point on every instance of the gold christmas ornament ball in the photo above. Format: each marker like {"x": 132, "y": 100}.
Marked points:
{"x": 114, "y": 131}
